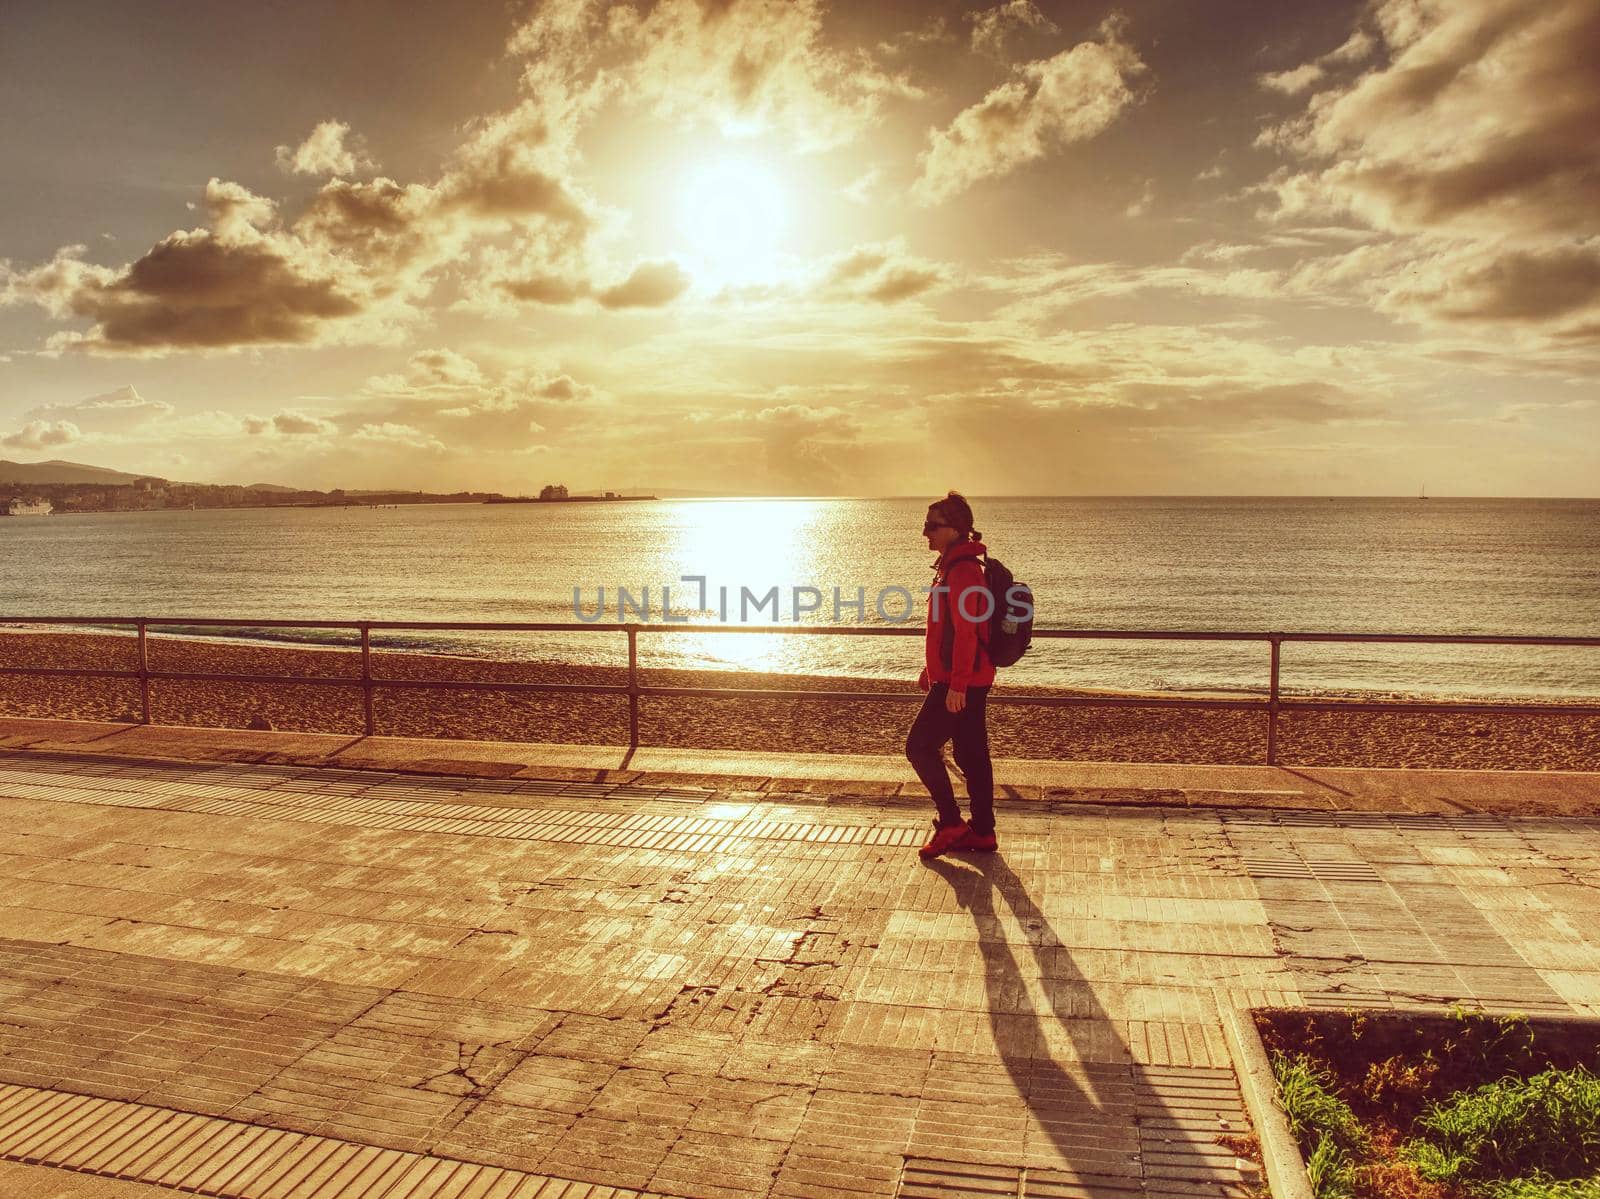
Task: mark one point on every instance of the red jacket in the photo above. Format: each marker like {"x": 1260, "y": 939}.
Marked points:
{"x": 965, "y": 605}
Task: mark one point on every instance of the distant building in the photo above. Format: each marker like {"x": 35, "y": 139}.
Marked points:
{"x": 611, "y": 495}
{"x": 553, "y": 491}
{"x": 25, "y": 508}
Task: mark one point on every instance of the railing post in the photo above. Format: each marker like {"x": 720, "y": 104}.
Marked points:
{"x": 633, "y": 686}
{"x": 366, "y": 677}
{"x": 144, "y": 677}
{"x": 1272, "y": 704}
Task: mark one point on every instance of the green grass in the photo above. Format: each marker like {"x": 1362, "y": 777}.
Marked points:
{"x": 1328, "y": 1131}
{"x": 1330, "y": 1171}
{"x": 1544, "y": 1126}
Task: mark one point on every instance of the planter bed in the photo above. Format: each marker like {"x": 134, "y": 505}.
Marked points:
{"x": 1457, "y": 1105}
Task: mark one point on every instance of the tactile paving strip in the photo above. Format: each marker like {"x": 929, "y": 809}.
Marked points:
{"x": 1290, "y": 818}
{"x": 313, "y": 801}
{"x": 208, "y": 1156}
{"x": 1179, "y": 1112}
{"x": 344, "y": 781}
{"x": 1347, "y": 998}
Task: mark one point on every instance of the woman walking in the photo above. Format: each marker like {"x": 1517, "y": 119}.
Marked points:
{"x": 957, "y": 677}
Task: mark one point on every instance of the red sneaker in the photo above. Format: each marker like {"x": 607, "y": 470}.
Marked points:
{"x": 944, "y": 839}
{"x": 976, "y": 841}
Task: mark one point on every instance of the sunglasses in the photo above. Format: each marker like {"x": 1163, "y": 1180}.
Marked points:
{"x": 929, "y": 526}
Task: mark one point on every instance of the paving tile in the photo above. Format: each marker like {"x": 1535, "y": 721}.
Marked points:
{"x": 687, "y": 994}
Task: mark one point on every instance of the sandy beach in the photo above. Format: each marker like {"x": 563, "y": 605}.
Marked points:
{"x": 1466, "y": 740}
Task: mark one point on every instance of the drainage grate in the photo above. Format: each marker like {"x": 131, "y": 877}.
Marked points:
{"x": 209, "y": 1156}
{"x": 1328, "y": 870}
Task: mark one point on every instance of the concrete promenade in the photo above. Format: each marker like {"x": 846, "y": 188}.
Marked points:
{"x": 279, "y": 965}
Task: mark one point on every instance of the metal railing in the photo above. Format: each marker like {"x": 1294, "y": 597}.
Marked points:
{"x": 1274, "y": 704}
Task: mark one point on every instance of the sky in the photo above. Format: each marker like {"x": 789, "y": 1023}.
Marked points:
{"x": 783, "y": 247}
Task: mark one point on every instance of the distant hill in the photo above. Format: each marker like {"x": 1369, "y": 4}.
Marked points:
{"x": 57, "y": 471}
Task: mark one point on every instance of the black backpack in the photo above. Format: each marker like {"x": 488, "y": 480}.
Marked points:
{"x": 1011, "y": 623}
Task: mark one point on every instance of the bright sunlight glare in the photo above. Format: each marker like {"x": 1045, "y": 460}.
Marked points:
{"x": 734, "y": 216}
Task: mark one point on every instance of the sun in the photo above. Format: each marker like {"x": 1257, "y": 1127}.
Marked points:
{"x": 733, "y": 219}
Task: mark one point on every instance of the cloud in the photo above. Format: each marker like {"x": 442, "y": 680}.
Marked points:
{"x": 1481, "y": 122}
{"x": 358, "y": 262}
{"x": 1141, "y": 204}
{"x": 39, "y": 434}
{"x": 516, "y": 163}
{"x": 543, "y": 288}
{"x": 111, "y": 411}
{"x": 396, "y": 436}
{"x": 1045, "y": 105}
{"x": 860, "y": 189}
{"x": 651, "y": 285}
{"x": 1294, "y": 80}
{"x": 435, "y": 377}
{"x": 1556, "y": 288}
{"x": 240, "y": 282}
{"x": 445, "y": 367}
{"x": 803, "y": 445}
{"x": 1356, "y": 48}
{"x": 379, "y": 223}
{"x": 326, "y": 152}
{"x": 992, "y": 27}
{"x": 748, "y": 67}
{"x": 883, "y": 273}
{"x": 504, "y": 220}
{"x": 935, "y": 33}
{"x": 290, "y": 423}
{"x": 458, "y": 410}
{"x": 1471, "y": 145}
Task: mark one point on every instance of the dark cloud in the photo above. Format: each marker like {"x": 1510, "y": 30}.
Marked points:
{"x": 356, "y": 263}
{"x": 238, "y": 283}
{"x": 1472, "y": 143}
{"x": 1557, "y": 288}
{"x": 375, "y": 222}
{"x": 194, "y": 291}
{"x": 1482, "y": 120}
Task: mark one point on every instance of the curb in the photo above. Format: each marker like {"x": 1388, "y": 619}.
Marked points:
{"x": 1280, "y": 1152}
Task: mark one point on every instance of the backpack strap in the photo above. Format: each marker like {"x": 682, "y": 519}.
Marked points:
{"x": 947, "y": 636}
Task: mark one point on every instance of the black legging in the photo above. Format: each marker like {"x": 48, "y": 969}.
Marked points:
{"x": 969, "y": 728}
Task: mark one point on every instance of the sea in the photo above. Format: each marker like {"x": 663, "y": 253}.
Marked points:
{"x": 1347, "y": 565}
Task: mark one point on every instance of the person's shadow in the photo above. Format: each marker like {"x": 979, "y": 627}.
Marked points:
{"x": 1101, "y": 1119}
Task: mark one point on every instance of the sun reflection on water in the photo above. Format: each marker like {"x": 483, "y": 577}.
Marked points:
{"x": 757, "y": 544}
